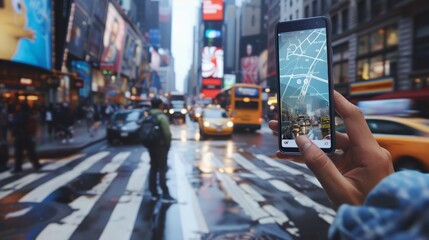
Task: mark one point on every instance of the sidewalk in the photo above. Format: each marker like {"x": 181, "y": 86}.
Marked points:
{"x": 50, "y": 148}
{"x": 53, "y": 147}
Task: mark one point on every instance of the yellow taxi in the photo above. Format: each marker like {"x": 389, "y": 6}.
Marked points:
{"x": 215, "y": 121}
{"x": 407, "y": 139}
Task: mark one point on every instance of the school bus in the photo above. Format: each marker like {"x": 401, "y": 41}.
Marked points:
{"x": 244, "y": 105}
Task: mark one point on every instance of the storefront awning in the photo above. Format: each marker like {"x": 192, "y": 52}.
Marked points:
{"x": 418, "y": 95}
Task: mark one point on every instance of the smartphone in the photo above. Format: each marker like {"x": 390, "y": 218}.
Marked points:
{"x": 305, "y": 88}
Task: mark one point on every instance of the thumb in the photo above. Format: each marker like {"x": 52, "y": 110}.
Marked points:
{"x": 323, "y": 168}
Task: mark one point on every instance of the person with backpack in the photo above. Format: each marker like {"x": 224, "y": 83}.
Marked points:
{"x": 24, "y": 132}
{"x": 158, "y": 151}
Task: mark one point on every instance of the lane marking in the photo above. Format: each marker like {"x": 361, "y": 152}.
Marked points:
{"x": 115, "y": 163}
{"x": 82, "y": 207}
{"x": 251, "y": 167}
{"x": 41, "y": 192}
{"x": 122, "y": 220}
{"x": 293, "y": 171}
{"x": 30, "y": 178}
{"x": 248, "y": 199}
{"x": 7, "y": 173}
{"x": 193, "y": 223}
{"x": 326, "y": 213}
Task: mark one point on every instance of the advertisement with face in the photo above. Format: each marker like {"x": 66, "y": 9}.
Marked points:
{"x": 113, "y": 42}
{"x": 26, "y": 32}
{"x": 131, "y": 52}
{"x": 251, "y": 68}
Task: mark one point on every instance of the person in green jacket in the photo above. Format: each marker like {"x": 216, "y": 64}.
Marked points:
{"x": 159, "y": 155}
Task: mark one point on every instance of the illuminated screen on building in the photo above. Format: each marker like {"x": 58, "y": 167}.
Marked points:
{"x": 212, "y": 10}
{"x": 26, "y": 32}
{"x": 211, "y": 87}
{"x": 212, "y": 62}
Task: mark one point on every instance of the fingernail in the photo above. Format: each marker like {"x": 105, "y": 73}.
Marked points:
{"x": 303, "y": 143}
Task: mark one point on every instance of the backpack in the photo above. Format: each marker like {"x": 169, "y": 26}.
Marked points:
{"x": 151, "y": 133}
{"x": 31, "y": 125}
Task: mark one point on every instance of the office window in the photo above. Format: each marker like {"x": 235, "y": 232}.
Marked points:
{"x": 290, "y": 17}
{"x": 323, "y": 6}
{"x": 421, "y": 41}
{"x": 290, "y": 4}
{"x": 335, "y": 24}
{"x": 377, "y": 54}
{"x": 253, "y": 20}
{"x": 307, "y": 11}
{"x": 341, "y": 63}
{"x": 297, "y": 14}
{"x": 314, "y": 3}
{"x": 361, "y": 8}
{"x": 376, "y": 7}
{"x": 345, "y": 20}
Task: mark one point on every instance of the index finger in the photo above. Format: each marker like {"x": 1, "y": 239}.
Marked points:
{"x": 354, "y": 121}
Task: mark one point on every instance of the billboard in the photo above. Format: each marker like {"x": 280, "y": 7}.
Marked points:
{"x": 83, "y": 70}
{"x": 26, "y": 32}
{"x": 212, "y": 62}
{"x": 113, "y": 41}
{"x": 212, "y": 10}
{"x": 253, "y": 59}
{"x": 78, "y": 34}
{"x": 132, "y": 52}
{"x": 95, "y": 38}
{"x": 213, "y": 34}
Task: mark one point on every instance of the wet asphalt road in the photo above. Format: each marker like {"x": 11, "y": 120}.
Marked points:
{"x": 226, "y": 189}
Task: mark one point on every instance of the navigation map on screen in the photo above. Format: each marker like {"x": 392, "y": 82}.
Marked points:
{"x": 304, "y": 88}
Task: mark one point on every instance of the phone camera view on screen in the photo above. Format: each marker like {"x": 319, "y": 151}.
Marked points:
{"x": 304, "y": 87}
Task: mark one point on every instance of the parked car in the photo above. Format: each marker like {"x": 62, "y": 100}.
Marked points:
{"x": 125, "y": 124}
{"x": 215, "y": 121}
{"x": 407, "y": 139}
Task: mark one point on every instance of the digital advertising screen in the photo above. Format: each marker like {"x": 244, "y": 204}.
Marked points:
{"x": 253, "y": 61}
{"x": 26, "y": 32}
{"x": 304, "y": 86}
{"x": 132, "y": 50}
{"x": 83, "y": 70}
{"x": 78, "y": 34}
{"x": 113, "y": 41}
{"x": 212, "y": 10}
{"x": 94, "y": 41}
{"x": 212, "y": 62}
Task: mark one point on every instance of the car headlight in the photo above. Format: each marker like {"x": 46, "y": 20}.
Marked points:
{"x": 183, "y": 111}
{"x": 171, "y": 111}
{"x": 197, "y": 115}
{"x": 230, "y": 124}
{"x": 206, "y": 124}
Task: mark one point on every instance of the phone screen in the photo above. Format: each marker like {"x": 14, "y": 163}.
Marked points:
{"x": 304, "y": 89}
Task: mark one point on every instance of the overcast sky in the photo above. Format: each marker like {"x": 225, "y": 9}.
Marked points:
{"x": 184, "y": 19}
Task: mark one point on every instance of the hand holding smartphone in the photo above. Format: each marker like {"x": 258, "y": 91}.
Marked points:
{"x": 305, "y": 88}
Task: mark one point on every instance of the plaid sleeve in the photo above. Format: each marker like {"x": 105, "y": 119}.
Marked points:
{"x": 397, "y": 208}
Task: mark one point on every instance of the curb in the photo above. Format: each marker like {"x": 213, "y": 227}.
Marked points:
{"x": 66, "y": 151}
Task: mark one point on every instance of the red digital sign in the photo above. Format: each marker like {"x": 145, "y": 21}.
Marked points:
{"x": 213, "y": 10}
{"x": 211, "y": 87}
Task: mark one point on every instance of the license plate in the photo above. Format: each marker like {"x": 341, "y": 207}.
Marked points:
{"x": 124, "y": 134}
{"x": 218, "y": 129}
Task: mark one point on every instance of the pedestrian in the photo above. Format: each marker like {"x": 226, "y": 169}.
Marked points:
{"x": 108, "y": 112}
{"x": 65, "y": 123}
{"x": 373, "y": 202}
{"x": 24, "y": 131}
{"x": 89, "y": 116}
{"x": 159, "y": 155}
{"x": 4, "y": 147}
{"x": 49, "y": 119}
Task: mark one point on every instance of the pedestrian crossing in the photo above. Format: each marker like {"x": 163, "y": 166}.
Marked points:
{"x": 252, "y": 190}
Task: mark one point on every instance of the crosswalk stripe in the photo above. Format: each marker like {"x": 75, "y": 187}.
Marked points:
{"x": 82, "y": 206}
{"x": 251, "y": 167}
{"x": 192, "y": 220}
{"x": 41, "y": 192}
{"x": 7, "y": 174}
{"x": 28, "y": 179}
{"x": 324, "y": 212}
{"x": 124, "y": 215}
{"x": 293, "y": 171}
{"x": 116, "y": 162}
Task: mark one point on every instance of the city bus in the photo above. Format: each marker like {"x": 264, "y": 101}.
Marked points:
{"x": 244, "y": 105}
